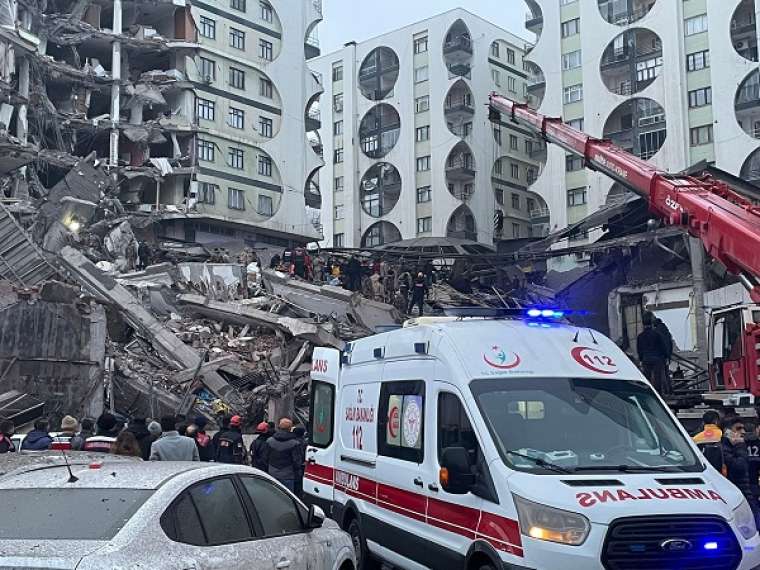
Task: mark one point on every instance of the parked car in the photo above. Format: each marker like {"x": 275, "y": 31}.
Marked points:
{"x": 164, "y": 516}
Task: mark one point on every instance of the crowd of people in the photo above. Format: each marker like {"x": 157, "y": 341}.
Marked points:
{"x": 279, "y": 450}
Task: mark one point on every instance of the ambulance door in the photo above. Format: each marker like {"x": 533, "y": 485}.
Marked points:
{"x": 320, "y": 453}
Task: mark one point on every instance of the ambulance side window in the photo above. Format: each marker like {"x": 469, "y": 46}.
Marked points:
{"x": 322, "y": 407}
{"x": 400, "y": 425}
{"x": 454, "y": 428}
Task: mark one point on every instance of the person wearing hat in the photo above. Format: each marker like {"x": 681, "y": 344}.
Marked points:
{"x": 263, "y": 433}
{"x": 138, "y": 428}
{"x": 64, "y": 440}
{"x": 202, "y": 439}
{"x": 105, "y": 437}
{"x": 230, "y": 445}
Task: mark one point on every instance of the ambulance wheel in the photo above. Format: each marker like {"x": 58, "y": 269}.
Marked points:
{"x": 364, "y": 559}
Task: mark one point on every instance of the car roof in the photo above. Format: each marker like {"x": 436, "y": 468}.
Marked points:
{"x": 25, "y": 460}
{"x": 106, "y": 474}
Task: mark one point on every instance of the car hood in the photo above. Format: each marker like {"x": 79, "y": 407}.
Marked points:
{"x": 33, "y": 554}
{"x": 603, "y": 498}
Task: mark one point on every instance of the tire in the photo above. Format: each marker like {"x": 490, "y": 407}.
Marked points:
{"x": 364, "y": 559}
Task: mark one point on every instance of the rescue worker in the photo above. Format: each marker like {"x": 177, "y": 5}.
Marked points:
{"x": 6, "y": 433}
{"x": 653, "y": 355}
{"x": 224, "y": 425}
{"x": 709, "y": 439}
{"x": 283, "y": 455}
{"x": 258, "y": 445}
{"x": 172, "y": 446}
{"x": 735, "y": 459}
{"x": 230, "y": 445}
{"x": 753, "y": 458}
{"x": 353, "y": 274}
{"x": 419, "y": 291}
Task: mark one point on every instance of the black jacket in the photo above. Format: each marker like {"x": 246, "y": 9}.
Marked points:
{"x": 419, "y": 289}
{"x": 205, "y": 445}
{"x": 258, "y": 453}
{"x": 753, "y": 460}
{"x": 143, "y": 437}
{"x": 651, "y": 346}
{"x": 284, "y": 456}
{"x": 230, "y": 447}
{"x": 6, "y": 445}
{"x": 737, "y": 465}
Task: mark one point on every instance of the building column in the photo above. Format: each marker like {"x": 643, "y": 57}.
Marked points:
{"x": 22, "y": 130}
{"x": 116, "y": 86}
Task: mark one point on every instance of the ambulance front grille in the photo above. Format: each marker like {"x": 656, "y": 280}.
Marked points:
{"x": 698, "y": 542}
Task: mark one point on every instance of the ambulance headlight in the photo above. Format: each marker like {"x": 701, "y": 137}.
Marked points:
{"x": 745, "y": 520}
{"x": 554, "y": 525}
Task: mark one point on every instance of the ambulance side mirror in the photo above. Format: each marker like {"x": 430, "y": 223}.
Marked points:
{"x": 456, "y": 475}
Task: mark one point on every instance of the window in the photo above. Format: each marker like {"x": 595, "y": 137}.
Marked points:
{"x": 515, "y": 201}
{"x": 423, "y": 163}
{"x": 266, "y": 205}
{"x": 421, "y": 45}
{"x": 422, "y": 104}
{"x": 510, "y": 56}
{"x": 265, "y": 88}
{"x": 235, "y": 199}
{"x": 400, "y": 420}
{"x": 576, "y": 197}
{"x": 530, "y": 175}
{"x": 338, "y": 103}
{"x": 338, "y": 211}
{"x": 238, "y": 5}
{"x": 512, "y": 84}
{"x": 695, "y": 25}
{"x": 571, "y": 60}
{"x": 237, "y": 78}
{"x": 207, "y": 193}
{"x": 206, "y": 109}
{"x": 235, "y": 157}
{"x": 573, "y": 94}
{"x": 497, "y": 167}
{"x": 337, "y": 72}
{"x": 266, "y": 127}
{"x": 423, "y": 194}
{"x": 338, "y": 156}
{"x": 424, "y": 225}
{"x": 515, "y": 231}
{"x": 206, "y": 150}
{"x": 421, "y": 74}
{"x": 701, "y": 135}
{"x": 237, "y": 38}
{"x": 570, "y": 28}
{"x": 531, "y": 205}
{"x": 208, "y": 69}
{"x": 338, "y": 128}
{"x": 497, "y": 135}
{"x": 422, "y": 133}
{"x": 700, "y": 97}
{"x": 496, "y": 76}
{"x": 576, "y": 124}
{"x": 466, "y": 129}
{"x": 181, "y": 522}
{"x": 573, "y": 163}
{"x": 339, "y": 240}
{"x": 338, "y": 184}
{"x": 208, "y": 28}
{"x": 528, "y": 147}
{"x": 266, "y": 50}
{"x": 514, "y": 171}
{"x": 455, "y": 430}
{"x": 267, "y": 14}
{"x": 236, "y": 118}
{"x": 278, "y": 512}
{"x": 513, "y": 142}
{"x": 265, "y": 165}
{"x": 698, "y": 60}
{"x": 220, "y": 511}
{"x": 495, "y": 49}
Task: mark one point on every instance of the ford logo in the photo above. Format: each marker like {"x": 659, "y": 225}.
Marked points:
{"x": 676, "y": 545}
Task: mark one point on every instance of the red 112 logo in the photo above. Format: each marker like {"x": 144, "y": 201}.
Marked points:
{"x": 594, "y": 360}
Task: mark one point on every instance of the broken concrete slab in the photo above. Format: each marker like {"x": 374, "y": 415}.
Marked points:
{"x": 242, "y": 315}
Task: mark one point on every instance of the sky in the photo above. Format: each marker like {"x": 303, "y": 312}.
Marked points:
{"x": 359, "y": 20}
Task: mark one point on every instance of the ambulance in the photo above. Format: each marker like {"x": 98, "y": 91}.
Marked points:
{"x": 514, "y": 443}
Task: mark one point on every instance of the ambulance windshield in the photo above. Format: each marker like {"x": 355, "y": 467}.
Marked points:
{"x": 582, "y": 425}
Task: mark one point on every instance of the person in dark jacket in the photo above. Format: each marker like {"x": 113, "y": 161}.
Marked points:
{"x": 86, "y": 430}
{"x": 419, "y": 291}
{"x": 300, "y": 433}
{"x": 735, "y": 459}
{"x": 203, "y": 440}
{"x": 283, "y": 455}
{"x": 138, "y": 428}
{"x": 6, "y": 433}
{"x": 230, "y": 445}
{"x": 753, "y": 459}
{"x": 224, "y": 425}
{"x": 653, "y": 355}
{"x": 354, "y": 274}
{"x": 263, "y": 433}
{"x": 104, "y": 438}
{"x": 38, "y": 439}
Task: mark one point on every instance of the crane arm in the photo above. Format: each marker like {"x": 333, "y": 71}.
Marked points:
{"x": 727, "y": 223}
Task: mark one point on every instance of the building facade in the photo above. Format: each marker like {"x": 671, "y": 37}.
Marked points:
{"x": 408, "y": 146}
{"x": 674, "y": 82}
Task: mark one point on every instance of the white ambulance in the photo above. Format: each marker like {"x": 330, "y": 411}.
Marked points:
{"x": 484, "y": 444}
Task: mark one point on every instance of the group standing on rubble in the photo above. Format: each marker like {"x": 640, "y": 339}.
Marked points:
{"x": 279, "y": 451}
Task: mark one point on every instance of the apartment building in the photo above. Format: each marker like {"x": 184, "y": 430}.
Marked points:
{"x": 675, "y": 82}
{"x": 408, "y": 145}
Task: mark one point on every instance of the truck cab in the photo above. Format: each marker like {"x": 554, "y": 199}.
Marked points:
{"x": 513, "y": 443}
{"x": 734, "y": 339}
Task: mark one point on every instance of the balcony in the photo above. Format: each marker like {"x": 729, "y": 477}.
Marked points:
{"x": 536, "y": 82}
{"x": 461, "y": 45}
{"x": 624, "y": 12}
{"x": 311, "y": 47}
{"x": 539, "y": 215}
{"x": 457, "y": 108}
{"x": 534, "y": 23}
{"x": 313, "y": 120}
{"x": 460, "y": 169}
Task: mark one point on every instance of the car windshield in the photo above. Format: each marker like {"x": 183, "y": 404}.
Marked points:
{"x": 582, "y": 425}
{"x": 67, "y": 514}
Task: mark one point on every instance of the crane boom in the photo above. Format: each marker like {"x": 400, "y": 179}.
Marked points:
{"x": 727, "y": 223}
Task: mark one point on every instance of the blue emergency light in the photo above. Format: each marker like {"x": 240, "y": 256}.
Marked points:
{"x": 539, "y": 313}
{"x": 712, "y": 545}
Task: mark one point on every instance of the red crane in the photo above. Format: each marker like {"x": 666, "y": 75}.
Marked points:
{"x": 727, "y": 223}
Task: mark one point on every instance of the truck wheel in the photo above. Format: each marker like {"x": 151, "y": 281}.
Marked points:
{"x": 363, "y": 558}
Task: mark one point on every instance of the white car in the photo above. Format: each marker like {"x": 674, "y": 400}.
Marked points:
{"x": 163, "y": 516}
